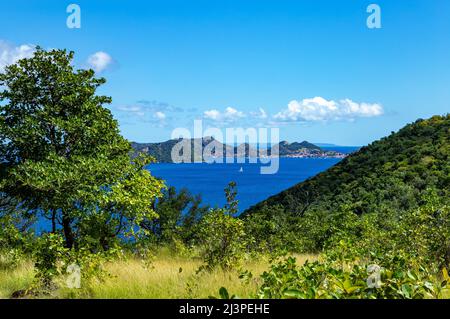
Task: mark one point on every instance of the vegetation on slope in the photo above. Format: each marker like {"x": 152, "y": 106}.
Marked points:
{"x": 394, "y": 171}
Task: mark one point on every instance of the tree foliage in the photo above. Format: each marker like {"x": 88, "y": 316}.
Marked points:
{"x": 222, "y": 237}
{"x": 62, "y": 156}
{"x": 179, "y": 216}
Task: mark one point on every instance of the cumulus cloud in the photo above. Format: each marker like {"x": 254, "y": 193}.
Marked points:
{"x": 99, "y": 61}
{"x": 229, "y": 115}
{"x": 320, "y": 109}
{"x": 212, "y": 114}
{"x": 10, "y": 54}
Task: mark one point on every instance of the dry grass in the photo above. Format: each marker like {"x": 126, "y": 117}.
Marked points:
{"x": 13, "y": 280}
{"x": 168, "y": 277}
{"x": 174, "y": 277}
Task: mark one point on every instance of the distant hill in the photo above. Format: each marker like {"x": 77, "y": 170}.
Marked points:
{"x": 390, "y": 173}
{"x": 286, "y": 148}
{"x": 162, "y": 151}
{"x": 326, "y": 144}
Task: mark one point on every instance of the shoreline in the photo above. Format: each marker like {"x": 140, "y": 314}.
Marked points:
{"x": 341, "y": 156}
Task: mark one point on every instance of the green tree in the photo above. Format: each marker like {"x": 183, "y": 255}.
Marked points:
{"x": 222, "y": 236}
{"x": 223, "y": 240}
{"x": 230, "y": 194}
{"x": 62, "y": 156}
{"x": 179, "y": 214}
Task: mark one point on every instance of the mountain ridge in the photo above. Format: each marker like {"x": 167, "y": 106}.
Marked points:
{"x": 162, "y": 151}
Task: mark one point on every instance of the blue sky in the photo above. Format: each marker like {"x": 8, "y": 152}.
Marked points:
{"x": 312, "y": 68}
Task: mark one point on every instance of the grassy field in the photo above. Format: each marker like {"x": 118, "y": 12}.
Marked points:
{"x": 167, "y": 277}
{"x": 13, "y": 280}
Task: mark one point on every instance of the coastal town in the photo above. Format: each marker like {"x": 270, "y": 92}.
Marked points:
{"x": 306, "y": 153}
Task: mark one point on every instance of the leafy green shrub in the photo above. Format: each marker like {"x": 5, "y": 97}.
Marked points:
{"x": 48, "y": 252}
{"x": 270, "y": 231}
{"x": 224, "y": 294}
{"x": 10, "y": 258}
{"x": 222, "y": 240}
{"x": 15, "y": 241}
{"x": 178, "y": 219}
{"x": 54, "y": 264}
{"x": 410, "y": 253}
{"x": 222, "y": 237}
{"x": 325, "y": 280}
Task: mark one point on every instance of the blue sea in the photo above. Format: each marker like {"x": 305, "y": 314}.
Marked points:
{"x": 210, "y": 180}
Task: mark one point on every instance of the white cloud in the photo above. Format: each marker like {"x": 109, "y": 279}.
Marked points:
{"x": 133, "y": 109}
{"x": 151, "y": 113}
{"x": 149, "y": 109}
{"x": 320, "y": 109}
{"x": 261, "y": 114}
{"x": 99, "y": 61}
{"x": 160, "y": 115}
{"x": 229, "y": 115}
{"x": 212, "y": 114}
{"x": 10, "y": 54}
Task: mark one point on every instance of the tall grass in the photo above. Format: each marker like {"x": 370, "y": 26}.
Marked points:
{"x": 168, "y": 276}
{"x": 12, "y": 280}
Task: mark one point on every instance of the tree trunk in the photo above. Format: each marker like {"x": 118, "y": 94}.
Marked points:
{"x": 54, "y": 221}
{"x": 68, "y": 233}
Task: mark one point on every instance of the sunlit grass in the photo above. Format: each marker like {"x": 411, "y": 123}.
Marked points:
{"x": 168, "y": 276}
{"x": 16, "y": 279}
{"x": 176, "y": 277}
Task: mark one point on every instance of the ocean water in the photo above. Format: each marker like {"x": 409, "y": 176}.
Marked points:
{"x": 210, "y": 180}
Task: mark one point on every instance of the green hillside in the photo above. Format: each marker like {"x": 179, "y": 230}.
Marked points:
{"x": 394, "y": 171}
{"x": 286, "y": 148}
{"x": 392, "y": 174}
{"x": 160, "y": 151}
{"x": 391, "y": 196}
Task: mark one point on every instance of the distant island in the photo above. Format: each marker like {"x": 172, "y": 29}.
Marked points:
{"x": 326, "y": 145}
{"x": 162, "y": 151}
